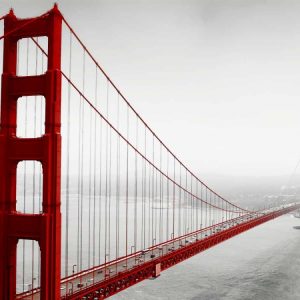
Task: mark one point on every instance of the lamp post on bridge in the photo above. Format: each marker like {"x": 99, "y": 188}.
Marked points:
{"x": 73, "y": 269}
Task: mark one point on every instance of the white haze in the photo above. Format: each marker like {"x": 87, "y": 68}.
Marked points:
{"x": 217, "y": 80}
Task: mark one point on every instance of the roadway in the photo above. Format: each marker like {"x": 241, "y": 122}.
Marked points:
{"x": 83, "y": 280}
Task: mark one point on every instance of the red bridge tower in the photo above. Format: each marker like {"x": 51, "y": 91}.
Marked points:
{"x": 46, "y": 226}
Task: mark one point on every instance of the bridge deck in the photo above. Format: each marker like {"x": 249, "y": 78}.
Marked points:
{"x": 110, "y": 278}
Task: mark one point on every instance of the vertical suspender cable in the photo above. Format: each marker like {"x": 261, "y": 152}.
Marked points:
{"x": 197, "y": 205}
{"x": 143, "y": 217}
{"x": 173, "y": 217}
{"x": 94, "y": 173}
{"x": 100, "y": 181}
{"x": 68, "y": 161}
{"x": 135, "y": 189}
{"x": 109, "y": 196}
{"x": 155, "y": 207}
{"x": 201, "y": 208}
{"x": 82, "y": 167}
{"x": 191, "y": 206}
{"x": 167, "y": 234}
{"x": 106, "y": 181}
{"x": 78, "y": 185}
{"x": 185, "y": 204}
{"x": 127, "y": 180}
{"x": 160, "y": 194}
{"x": 206, "y": 208}
{"x": 149, "y": 204}
{"x": 145, "y": 187}
{"x": 179, "y": 210}
{"x": 90, "y": 146}
{"x": 152, "y": 199}
{"x": 118, "y": 183}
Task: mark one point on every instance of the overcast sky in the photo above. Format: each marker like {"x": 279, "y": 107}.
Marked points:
{"x": 217, "y": 80}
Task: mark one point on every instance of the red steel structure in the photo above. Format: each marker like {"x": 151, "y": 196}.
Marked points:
{"x": 46, "y": 226}
{"x": 132, "y": 210}
{"x": 123, "y": 280}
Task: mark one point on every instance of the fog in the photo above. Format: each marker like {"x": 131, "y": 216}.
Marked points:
{"x": 216, "y": 80}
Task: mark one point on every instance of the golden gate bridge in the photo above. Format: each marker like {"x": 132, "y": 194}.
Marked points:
{"x": 92, "y": 201}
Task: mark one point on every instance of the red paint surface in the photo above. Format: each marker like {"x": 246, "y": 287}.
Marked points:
{"x": 45, "y": 227}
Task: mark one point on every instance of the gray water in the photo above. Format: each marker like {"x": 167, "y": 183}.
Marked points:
{"x": 261, "y": 264}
